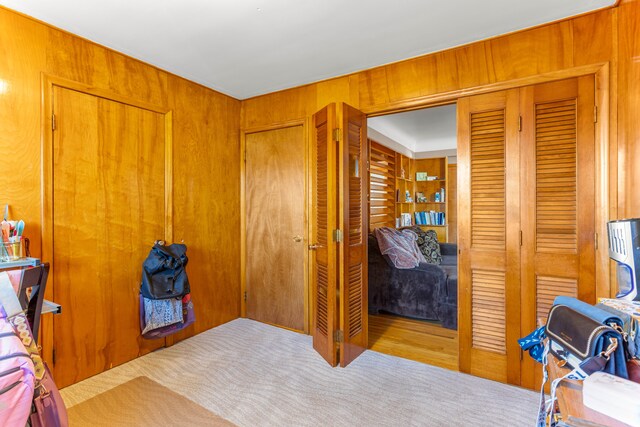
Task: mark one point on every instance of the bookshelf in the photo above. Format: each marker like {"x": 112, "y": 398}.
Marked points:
{"x": 393, "y": 177}
{"x": 435, "y": 192}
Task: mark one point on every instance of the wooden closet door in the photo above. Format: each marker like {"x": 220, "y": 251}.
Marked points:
{"x": 558, "y": 197}
{"x": 488, "y": 236}
{"x": 324, "y": 255}
{"x": 340, "y": 226}
{"x": 355, "y": 218}
{"x": 108, "y": 209}
{"x": 275, "y": 184}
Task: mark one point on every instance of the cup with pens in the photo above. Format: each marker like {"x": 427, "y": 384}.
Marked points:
{"x": 12, "y": 241}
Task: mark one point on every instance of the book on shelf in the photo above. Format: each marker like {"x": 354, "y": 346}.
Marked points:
{"x": 405, "y": 219}
{"x": 428, "y": 218}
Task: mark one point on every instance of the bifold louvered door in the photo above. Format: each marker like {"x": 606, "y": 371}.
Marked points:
{"x": 488, "y": 239}
{"x": 340, "y": 226}
{"x": 382, "y": 186}
{"x": 526, "y": 211}
{"x": 324, "y": 256}
{"x": 557, "y": 162}
{"x": 354, "y": 188}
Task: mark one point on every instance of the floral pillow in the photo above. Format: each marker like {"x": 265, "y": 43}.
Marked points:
{"x": 428, "y": 244}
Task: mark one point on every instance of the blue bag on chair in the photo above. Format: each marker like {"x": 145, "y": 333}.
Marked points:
{"x": 617, "y": 362}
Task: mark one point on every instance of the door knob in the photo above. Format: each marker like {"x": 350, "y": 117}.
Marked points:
{"x": 297, "y": 239}
{"x": 313, "y": 247}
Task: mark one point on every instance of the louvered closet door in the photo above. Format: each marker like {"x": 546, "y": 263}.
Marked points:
{"x": 323, "y": 258}
{"x": 354, "y": 185}
{"x": 489, "y": 269}
{"x": 382, "y": 186}
{"x": 558, "y": 254}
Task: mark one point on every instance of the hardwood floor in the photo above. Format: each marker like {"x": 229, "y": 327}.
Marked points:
{"x": 417, "y": 340}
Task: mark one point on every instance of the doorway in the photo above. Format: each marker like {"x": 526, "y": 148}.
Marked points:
{"x": 413, "y": 176}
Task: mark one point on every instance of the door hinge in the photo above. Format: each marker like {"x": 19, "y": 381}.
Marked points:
{"x": 519, "y": 123}
{"x": 520, "y": 237}
{"x": 337, "y": 235}
{"x": 595, "y": 114}
{"x": 53, "y": 356}
{"x": 245, "y": 296}
{"x": 336, "y": 134}
{"x": 595, "y": 238}
{"x": 368, "y": 165}
{"x": 338, "y": 336}
{"x": 53, "y": 122}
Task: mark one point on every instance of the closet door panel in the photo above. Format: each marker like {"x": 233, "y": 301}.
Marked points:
{"x": 324, "y": 262}
{"x": 354, "y": 283}
{"x": 558, "y": 254}
{"x": 488, "y": 235}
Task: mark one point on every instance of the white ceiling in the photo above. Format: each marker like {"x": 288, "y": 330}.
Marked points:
{"x": 419, "y": 131}
{"x": 245, "y": 48}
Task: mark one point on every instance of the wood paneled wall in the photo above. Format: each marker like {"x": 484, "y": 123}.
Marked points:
{"x": 206, "y": 124}
{"x": 608, "y": 36}
{"x": 206, "y": 150}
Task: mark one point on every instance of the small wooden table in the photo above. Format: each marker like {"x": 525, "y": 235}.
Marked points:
{"x": 569, "y": 394}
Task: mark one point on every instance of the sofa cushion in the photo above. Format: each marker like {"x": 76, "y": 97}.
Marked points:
{"x": 428, "y": 244}
{"x": 449, "y": 260}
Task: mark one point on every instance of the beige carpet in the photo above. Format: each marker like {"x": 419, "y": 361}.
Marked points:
{"x": 141, "y": 402}
{"x": 258, "y": 375}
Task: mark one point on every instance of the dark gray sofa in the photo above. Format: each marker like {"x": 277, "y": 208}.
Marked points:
{"x": 428, "y": 292}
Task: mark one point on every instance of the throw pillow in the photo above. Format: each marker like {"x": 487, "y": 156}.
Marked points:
{"x": 428, "y": 244}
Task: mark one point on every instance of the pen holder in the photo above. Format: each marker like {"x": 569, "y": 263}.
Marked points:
{"x": 11, "y": 250}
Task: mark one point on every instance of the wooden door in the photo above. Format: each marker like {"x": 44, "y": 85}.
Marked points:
{"x": 339, "y": 230}
{"x": 108, "y": 208}
{"x": 488, "y": 236}
{"x": 354, "y": 221}
{"x": 558, "y": 189}
{"x": 275, "y": 200}
{"x": 324, "y": 254}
